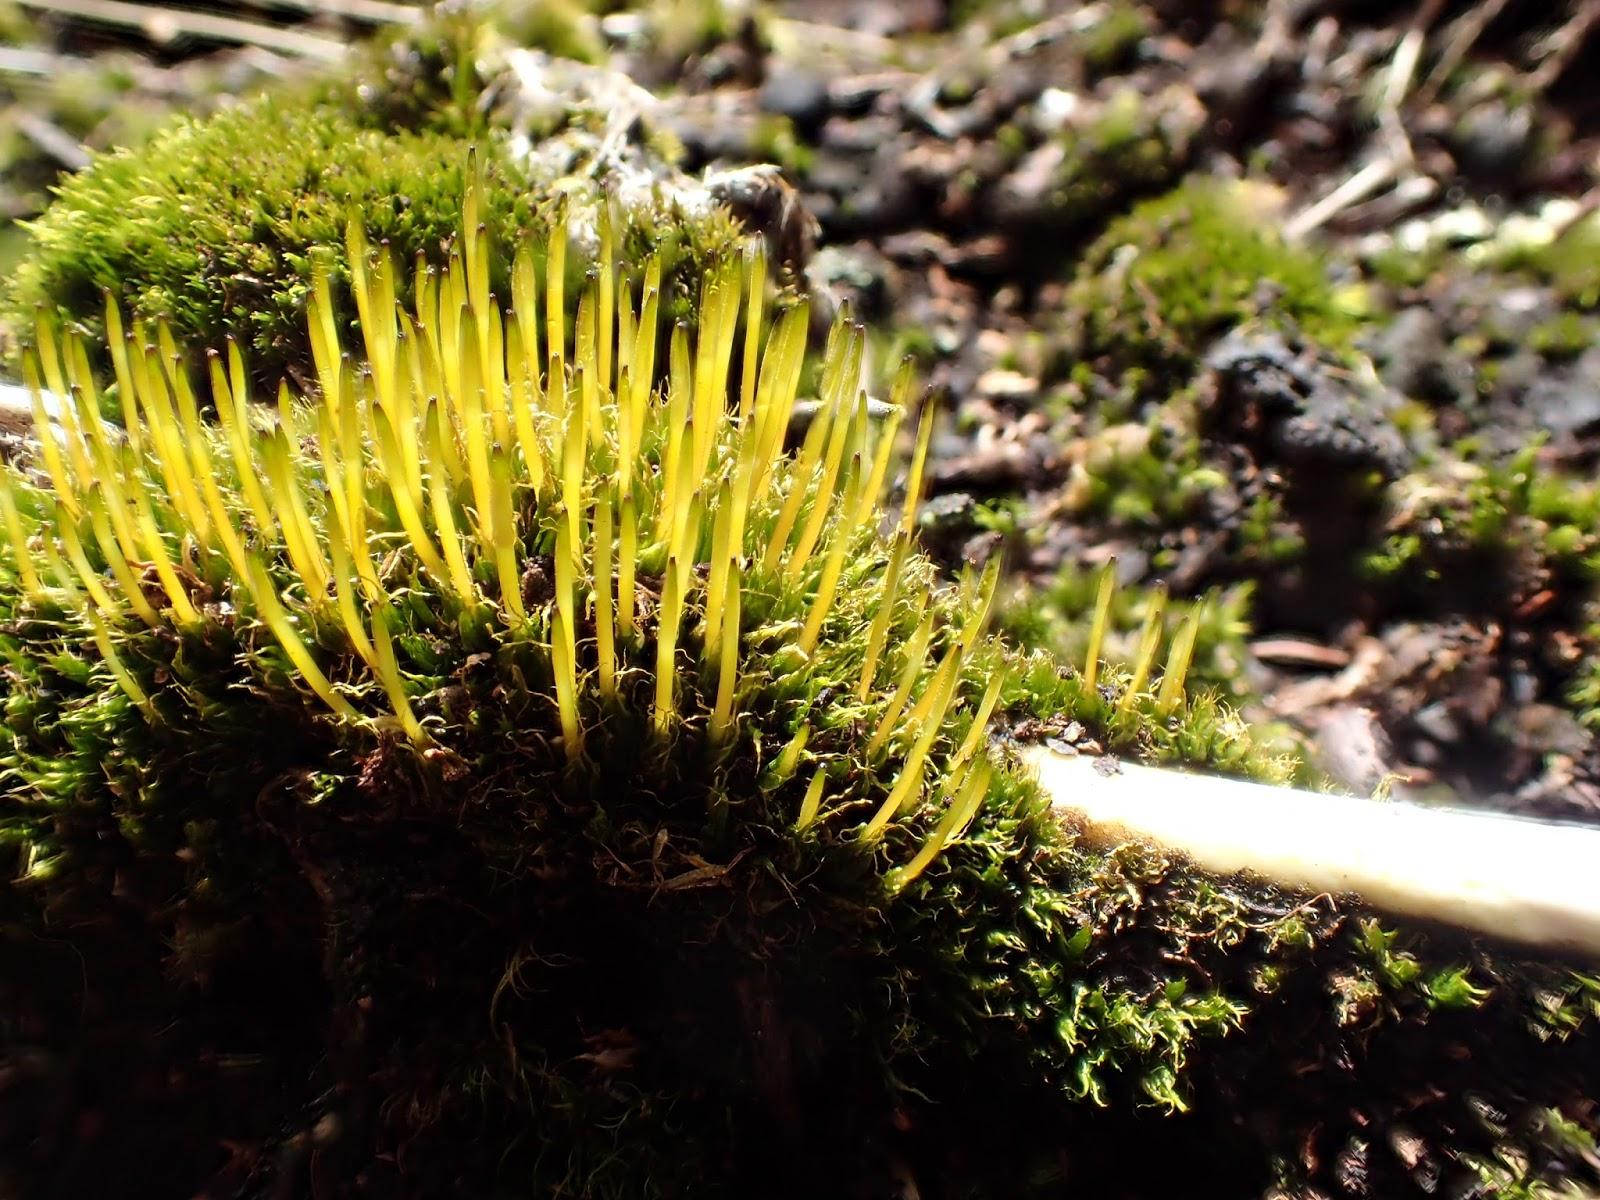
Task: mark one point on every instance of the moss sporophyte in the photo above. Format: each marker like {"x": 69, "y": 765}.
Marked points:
{"x": 651, "y": 562}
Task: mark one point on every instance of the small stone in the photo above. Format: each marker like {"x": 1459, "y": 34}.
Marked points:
{"x": 1495, "y": 141}
{"x": 1001, "y": 384}
{"x": 1416, "y": 360}
{"x": 1055, "y": 109}
{"x": 1568, "y": 406}
{"x": 1028, "y": 194}
{"x": 1436, "y": 721}
{"x": 798, "y": 94}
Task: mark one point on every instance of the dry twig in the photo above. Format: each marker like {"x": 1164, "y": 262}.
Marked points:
{"x": 169, "y": 24}
{"x": 1464, "y": 34}
{"x": 1558, "y": 51}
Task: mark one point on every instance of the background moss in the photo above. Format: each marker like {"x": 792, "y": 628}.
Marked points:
{"x": 1178, "y": 272}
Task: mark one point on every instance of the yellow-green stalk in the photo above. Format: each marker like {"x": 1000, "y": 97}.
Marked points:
{"x": 789, "y": 757}
{"x": 444, "y": 511}
{"x": 962, "y": 806}
{"x": 1149, "y": 644}
{"x": 504, "y": 533}
{"x": 906, "y": 787}
{"x": 671, "y": 613}
{"x": 880, "y": 622}
{"x": 604, "y": 598}
{"x": 117, "y": 561}
{"x": 915, "y": 654}
{"x": 16, "y": 539}
{"x": 627, "y": 565}
{"x": 555, "y": 304}
{"x": 235, "y": 424}
{"x": 811, "y": 803}
{"x": 1097, "y": 626}
{"x": 274, "y": 616}
{"x": 388, "y": 669}
{"x": 1171, "y": 693}
{"x": 844, "y": 434}
{"x": 108, "y": 651}
{"x": 408, "y": 499}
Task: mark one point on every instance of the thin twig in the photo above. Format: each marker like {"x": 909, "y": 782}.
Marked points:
{"x": 797, "y": 33}
{"x": 20, "y": 60}
{"x": 1402, "y": 71}
{"x": 1052, "y": 29}
{"x": 168, "y": 24}
{"x": 1463, "y": 37}
{"x": 366, "y": 12}
{"x": 1561, "y": 47}
{"x": 1588, "y": 205}
{"x": 50, "y": 138}
{"x": 1379, "y": 173}
{"x": 1397, "y": 163}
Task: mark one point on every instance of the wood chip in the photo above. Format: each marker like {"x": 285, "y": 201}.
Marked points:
{"x": 1298, "y": 652}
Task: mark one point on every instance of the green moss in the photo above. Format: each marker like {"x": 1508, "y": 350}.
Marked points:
{"x": 682, "y": 29}
{"x": 1180, "y": 271}
{"x": 1056, "y": 617}
{"x": 1112, "y": 42}
{"x": 1507, "y": 518}
{"x": 433, "y": 75}
{"x": 568, "y": 795}
{"x": 1138, "y": 476}
{"x": 1564, "y": 336}
{"x": 775, "y": 141}
{"x": 1567, "y": 263}
{"x": 1133, "y": 145}
{"x": 228, "y": 250}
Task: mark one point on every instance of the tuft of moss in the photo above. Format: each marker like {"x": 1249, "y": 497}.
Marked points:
{"x": 1466, "y": 520}
{"x": 654, "y": 706}
{"x": 492, "y": 773}
{"x": 217, "y": 226}
{"x": 1131, "y": 145}
{"x": 1144, "y": 476}
{"x": 1180, "y": 271}
{"x": 437, "y": 74}
{"x": 1111, "y": 44}
{"x": 1134, "y": 146}
{"x": 1566, "y": 262}
{"x": 1055, "y": 616}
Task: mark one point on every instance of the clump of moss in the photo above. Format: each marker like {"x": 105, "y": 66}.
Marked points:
{"x": 1467, "y": 520}
{"x": 1129, "y": 146}
{"x": 1056, "y": 617}
{"x": 1135, "y": 145}
{"x": 1178, "y": 272}
{"x": 96, "y": 103}
{"x": 499, "y": 774}
{"x": 434, "y": 75}
{"x": 655, "y": 689}
{"x": 1138, "y": 475}
{"x": 1514, "y": 539}
{"x": 216, "y": 227}
{"x": 1566, "y": 262}
{"x": 1112, "y": 43}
